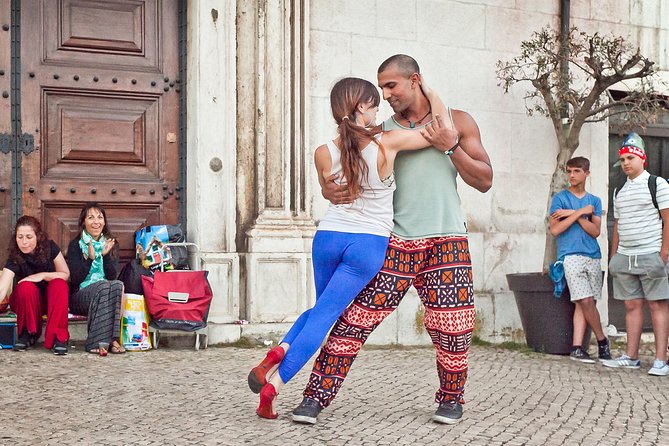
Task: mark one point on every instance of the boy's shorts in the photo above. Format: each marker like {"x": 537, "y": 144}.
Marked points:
{"x": 584, "y": 277}
{"x": 640, "y": 276}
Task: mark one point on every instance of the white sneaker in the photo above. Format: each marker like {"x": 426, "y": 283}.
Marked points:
{"x": 624, "y": 361}
{"x": 660, "y": 368}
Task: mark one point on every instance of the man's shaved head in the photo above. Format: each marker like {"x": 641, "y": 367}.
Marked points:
{"x": 406, "y": 65}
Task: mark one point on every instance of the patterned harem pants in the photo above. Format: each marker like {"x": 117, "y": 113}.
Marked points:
{"x": 440, "y": 270}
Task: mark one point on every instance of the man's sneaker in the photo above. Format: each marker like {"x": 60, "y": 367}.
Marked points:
{"x": 307, "y": 412}
{"x": 604, "y": 350}
{"x": 449, "y": 412}
{"x": 660, "y": 368}
{"x": 59, "y": 348}
{"x": 578, "y": 354}
{"x": 624, "y": 361}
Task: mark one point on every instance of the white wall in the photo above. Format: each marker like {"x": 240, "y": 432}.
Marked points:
{"x": 457, "y": 44}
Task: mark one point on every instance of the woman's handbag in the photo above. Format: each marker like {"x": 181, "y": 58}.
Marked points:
{"x": 178, "y": 300}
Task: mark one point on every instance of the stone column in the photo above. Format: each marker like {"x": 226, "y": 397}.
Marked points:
{"x": 274, "y": 210}
{"x": 211, "y": 160}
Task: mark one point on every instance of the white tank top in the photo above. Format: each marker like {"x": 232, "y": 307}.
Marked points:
{"x": 372, "y": 211}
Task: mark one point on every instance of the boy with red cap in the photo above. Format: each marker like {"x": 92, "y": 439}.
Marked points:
{"x": 639, "y": 255}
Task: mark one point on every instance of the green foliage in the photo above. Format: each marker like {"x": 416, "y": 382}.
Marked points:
{"x": 480, "y": 342}
{"x": 571, "y": 80}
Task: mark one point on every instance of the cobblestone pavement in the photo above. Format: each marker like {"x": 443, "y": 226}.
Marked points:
{"x": 184, "y": 397}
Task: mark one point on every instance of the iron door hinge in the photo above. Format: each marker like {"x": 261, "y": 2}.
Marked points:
{"x": 6, "y": 143}
{"x": 26, "y": 143}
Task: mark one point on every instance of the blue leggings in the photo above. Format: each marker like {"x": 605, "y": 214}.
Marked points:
{"x": 343, "y": 264}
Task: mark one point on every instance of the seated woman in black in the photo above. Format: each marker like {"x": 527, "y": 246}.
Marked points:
{"x": 39, "y": 274}
{"x": 94, "y": 291}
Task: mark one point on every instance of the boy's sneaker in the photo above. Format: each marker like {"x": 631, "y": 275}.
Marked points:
{"x": 624, "y": 361}
{"x": 660, "y": 368}
{"x": 604, "y": 350}
{"x": 449, "y": 412}
{"x": 307, "y": 412}
{"x": 59, "y": 348}
{"x": 578, "y": 354}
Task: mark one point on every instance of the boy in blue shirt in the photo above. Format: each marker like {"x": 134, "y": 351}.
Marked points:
{"x": 576, "y": 221}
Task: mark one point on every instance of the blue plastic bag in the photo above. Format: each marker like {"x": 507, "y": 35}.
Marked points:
{"x": 556, "y": 273}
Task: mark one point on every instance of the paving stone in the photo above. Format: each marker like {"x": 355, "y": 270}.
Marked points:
{"x": 183, "y": 397}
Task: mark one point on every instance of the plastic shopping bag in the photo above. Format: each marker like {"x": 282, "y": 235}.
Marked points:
{"x": 135, "y": 324}
{"x": 149, "y": 248}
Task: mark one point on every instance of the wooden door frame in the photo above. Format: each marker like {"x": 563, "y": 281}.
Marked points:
{"x": 183, "y": 46}
{"x": 15, "y": 113}
{"x": 21, "y": 143}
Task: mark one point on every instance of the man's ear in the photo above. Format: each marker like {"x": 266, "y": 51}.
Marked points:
{"x": 415, "y": 80}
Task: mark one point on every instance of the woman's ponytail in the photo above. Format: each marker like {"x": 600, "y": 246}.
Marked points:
{"x": 354, "y": 169}
{"x": 345, "y": 97}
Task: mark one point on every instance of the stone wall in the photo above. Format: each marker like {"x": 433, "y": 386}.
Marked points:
{"x": 457, "y": 44}
{"x": 259, "y": 76}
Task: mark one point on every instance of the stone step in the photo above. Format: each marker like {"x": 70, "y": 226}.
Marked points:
{"x": 77, "y": 326}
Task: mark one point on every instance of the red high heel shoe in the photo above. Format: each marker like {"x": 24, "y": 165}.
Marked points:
{"x": 258, "y": 375}
{"x": 267, "y": 395}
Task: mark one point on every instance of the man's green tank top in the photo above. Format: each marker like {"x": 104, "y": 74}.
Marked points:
{"x": 426, "y": 202}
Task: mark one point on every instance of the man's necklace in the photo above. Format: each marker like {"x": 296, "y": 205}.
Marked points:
{"x": 413, "y": 124}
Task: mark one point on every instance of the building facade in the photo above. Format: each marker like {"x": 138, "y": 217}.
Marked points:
{"x": 224, "y": 139}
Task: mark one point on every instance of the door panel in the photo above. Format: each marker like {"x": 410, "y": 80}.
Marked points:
{"x": 113, "y": 136}
{"x": 99, "y": 95}
{"x": 6, "y": 186}
{"x": 123, "y": 32}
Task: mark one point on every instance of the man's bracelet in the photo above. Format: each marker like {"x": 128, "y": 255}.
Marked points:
{"x": 450, "y": 151}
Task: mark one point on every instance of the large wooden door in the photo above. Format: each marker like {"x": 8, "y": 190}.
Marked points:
{"x": 100, "y": 96}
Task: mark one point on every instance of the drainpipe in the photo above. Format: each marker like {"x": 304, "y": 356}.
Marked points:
{"x": 564, "y": 65}
{"x": 564, "y": 17}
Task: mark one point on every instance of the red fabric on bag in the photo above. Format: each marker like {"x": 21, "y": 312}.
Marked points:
{"x": 189, "y": 315}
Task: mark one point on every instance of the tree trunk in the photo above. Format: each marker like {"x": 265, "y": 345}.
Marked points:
{"x": 558, "y": 183}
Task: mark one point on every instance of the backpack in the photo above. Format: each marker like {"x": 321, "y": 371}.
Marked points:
{"x": 131, "y": 276}
{"x": 652, "y": 186}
